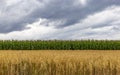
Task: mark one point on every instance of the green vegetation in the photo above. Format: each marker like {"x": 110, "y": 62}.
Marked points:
{"x": 60, "y": 45}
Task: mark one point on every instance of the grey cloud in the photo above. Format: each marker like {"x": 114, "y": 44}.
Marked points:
{"x": 17, "y": 16}
{"x": 58, "y": 9}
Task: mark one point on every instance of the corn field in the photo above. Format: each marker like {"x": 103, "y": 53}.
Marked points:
{"x": 59, "y": 62}
{"x": 60, "y": 45}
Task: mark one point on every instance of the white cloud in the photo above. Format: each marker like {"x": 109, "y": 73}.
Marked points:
{"x": 12, "y": 2}
{"x": 83, "y": 2}
{"x": 101, "y": 25}
{"x": 36, "y": 31}
{"x": 107, "y": 16}
{"x": 16, "y": 14}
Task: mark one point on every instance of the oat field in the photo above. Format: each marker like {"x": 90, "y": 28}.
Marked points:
{"x": 55, "y": 62}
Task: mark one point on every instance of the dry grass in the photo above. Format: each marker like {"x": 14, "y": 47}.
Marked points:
{"x": 59, "y": 62}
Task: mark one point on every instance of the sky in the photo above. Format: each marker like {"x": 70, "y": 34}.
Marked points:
{"x": 59, "y": 19}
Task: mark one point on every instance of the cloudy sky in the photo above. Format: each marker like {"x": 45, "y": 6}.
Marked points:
{"x": 59, "y": 19}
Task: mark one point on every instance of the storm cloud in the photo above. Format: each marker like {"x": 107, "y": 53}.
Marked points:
{"x": 62, "y": 17}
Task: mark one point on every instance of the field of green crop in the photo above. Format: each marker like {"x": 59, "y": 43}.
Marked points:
{"x": 60, "y": 45}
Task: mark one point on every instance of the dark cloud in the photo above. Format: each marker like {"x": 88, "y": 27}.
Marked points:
{"x": 17, "y": 16}
{"x": 58, "y": 9}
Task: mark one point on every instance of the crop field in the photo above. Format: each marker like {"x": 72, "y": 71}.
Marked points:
{"x": 59, "y": 62}
{"x": 60, "y": 45}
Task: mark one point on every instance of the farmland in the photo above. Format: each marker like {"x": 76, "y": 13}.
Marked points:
{"x": 58, "y": 57}
{"x": 55, "y": 62}
{"x": 60, "y": 45}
